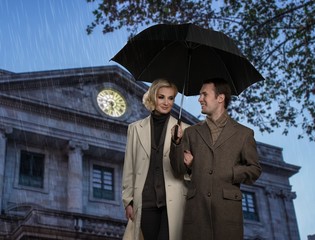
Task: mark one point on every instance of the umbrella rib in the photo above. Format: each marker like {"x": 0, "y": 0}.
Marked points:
{"x": 227, "y": 71}
{"x": 186, "y": 81}
{"x": 188, "y": 46}
{"x": 191, "y": 45}
{"x": 155, "y": 56}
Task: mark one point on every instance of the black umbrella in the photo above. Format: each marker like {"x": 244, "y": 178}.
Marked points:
{"x": 187, "y": 55}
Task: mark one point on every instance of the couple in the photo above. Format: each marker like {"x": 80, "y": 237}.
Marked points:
{"x": 215, "y": 156}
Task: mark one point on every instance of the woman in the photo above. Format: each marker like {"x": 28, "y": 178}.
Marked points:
{"x": 153, "y": 197}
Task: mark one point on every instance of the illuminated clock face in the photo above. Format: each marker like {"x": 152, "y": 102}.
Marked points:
{"x": 111, "y": 102}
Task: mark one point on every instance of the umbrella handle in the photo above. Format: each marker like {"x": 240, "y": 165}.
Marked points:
{"x": 176, "y": 129}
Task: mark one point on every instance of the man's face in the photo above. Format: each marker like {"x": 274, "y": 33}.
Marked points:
{"x": 208, "y": 100}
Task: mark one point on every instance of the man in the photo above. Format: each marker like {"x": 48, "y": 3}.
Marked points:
{"x": 218, "y": 154}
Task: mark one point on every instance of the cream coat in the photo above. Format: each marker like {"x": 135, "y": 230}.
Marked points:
{"x": 136, "y": 166}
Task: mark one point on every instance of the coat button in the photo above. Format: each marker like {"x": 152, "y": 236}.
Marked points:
{"x": 235, "y": 196}
{"x": 210, "y": 172}
{"x": 209, "y": 194}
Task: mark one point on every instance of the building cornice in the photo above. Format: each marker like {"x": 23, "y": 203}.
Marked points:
{"x": 63, "y": 114}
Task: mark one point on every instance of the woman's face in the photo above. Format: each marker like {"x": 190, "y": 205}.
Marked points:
{"x": 164, "y": 102}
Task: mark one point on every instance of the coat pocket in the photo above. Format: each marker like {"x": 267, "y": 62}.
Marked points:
{"x": 232, "y": 194}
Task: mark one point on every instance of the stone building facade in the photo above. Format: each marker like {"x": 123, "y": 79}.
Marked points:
{"x": 62, "y": 140}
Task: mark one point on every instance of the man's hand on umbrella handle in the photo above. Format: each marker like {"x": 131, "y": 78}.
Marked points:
{"x": 177, "y": 133}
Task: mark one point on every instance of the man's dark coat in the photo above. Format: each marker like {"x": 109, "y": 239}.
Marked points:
{"x": 214, "y": 201}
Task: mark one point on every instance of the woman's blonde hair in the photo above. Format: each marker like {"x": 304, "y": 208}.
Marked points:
{"x": 149, "y": 98}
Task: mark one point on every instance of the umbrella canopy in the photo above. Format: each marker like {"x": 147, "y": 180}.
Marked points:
{"x": 187, "y": 55}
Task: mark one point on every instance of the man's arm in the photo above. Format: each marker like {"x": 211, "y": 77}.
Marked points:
{"x": 249, "y": 170}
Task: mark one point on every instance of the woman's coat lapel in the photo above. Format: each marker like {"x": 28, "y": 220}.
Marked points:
{"x": 144, "y": 134}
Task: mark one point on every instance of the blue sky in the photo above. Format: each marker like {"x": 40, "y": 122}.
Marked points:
{"x": 37, "y": 35}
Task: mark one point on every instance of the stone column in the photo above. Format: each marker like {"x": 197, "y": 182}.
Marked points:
{"x": 282, "y": 215}
{"x": 3, "y": 147}
{"x": 75, "y": 176}
{"x": 273, "y": 210}
{"x": 287, "y": 198}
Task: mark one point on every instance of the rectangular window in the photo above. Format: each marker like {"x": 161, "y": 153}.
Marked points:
{"x": 103, "y": 182}
{"x": 31, "y": 171}
{"x": 249, "y": 206}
